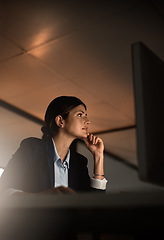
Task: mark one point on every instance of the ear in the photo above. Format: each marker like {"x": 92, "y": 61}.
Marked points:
{"x": 59, "y": 121}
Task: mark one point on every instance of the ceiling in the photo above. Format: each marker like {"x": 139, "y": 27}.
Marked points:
{"x": 81, "y": 48}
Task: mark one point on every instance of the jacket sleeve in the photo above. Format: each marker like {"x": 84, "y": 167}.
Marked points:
{"x": 20, "y": 173}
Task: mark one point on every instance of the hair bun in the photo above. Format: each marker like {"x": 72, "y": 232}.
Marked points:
{"x": 45, "y": 132}
{"x": 44, "y": 129}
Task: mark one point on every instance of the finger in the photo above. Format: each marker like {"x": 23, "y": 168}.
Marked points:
{"x": 94, "y": 139}
{"x": 66, "y": 190}
{"x": 98, "y": 140}
{"x": 86, "y": 141}
{"x": 90, "y": 137}
{"x": 70, "y": 190}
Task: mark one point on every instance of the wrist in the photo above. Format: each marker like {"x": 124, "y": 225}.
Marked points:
{"x": 97, "y": 153}
{"x": 98, "y": 157}
{"x": 98, "y": 176}
{"x": 98, "y": 167}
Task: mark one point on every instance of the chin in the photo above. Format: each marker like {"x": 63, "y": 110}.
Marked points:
{"x": 82, "y": 136}
{"x": 85, "y": 135}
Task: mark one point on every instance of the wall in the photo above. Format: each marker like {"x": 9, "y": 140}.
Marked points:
{"x": 121, "y": 177}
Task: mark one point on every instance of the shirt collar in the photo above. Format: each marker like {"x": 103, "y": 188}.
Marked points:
{"x": 57, "y": 157}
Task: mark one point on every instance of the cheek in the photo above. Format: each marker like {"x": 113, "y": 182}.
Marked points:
{"x": 75, "y": 127}
{"x": 72, "y": 126}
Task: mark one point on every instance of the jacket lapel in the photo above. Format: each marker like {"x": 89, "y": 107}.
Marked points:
{"x": 72, "y": 172}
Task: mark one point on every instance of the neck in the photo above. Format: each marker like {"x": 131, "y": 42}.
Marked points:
{"x": 62, "y": 144}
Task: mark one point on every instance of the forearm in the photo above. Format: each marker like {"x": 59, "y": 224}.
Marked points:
{"x": 96, "y": 147}
{"x": 98, "y": 166}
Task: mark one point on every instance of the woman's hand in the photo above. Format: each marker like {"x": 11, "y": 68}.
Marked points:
{"x": 94, "y": 144}
{"x": 59, "y": 190}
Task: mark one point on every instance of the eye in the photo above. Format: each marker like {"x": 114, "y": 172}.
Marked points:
{"x": 79, "y": 114}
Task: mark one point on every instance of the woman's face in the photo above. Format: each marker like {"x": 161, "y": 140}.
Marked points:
{"x": 76, "y": 124}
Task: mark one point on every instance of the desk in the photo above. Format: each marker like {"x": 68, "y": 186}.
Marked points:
{"x": 35, "y": 216}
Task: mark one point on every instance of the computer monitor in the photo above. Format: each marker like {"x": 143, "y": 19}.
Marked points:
{"x": 148, "y": 78}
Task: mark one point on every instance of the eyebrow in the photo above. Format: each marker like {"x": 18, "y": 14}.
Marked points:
{"x": 82, "y": 112}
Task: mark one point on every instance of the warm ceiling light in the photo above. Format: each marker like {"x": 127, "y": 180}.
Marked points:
{"x": 42, "y": 37}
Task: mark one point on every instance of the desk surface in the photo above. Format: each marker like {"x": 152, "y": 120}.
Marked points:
{"x": 87, "y": 200}
{"x": 31, "y": 216}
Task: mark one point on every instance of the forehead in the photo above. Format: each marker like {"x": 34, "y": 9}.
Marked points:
{"x": 78, "y": 109}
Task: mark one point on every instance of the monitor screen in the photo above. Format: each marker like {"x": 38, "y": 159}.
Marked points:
{"x": 148, "y": 78}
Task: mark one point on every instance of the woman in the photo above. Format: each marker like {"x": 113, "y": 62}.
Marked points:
{"x": 48, "y": 165}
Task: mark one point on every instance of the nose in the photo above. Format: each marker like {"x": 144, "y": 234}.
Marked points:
{"x": 87, "y": 120}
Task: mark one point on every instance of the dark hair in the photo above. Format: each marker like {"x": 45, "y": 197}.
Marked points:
{"x": 59, "y": 106}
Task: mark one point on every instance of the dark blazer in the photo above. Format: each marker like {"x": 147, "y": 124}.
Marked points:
{"x": 31, "y": 169}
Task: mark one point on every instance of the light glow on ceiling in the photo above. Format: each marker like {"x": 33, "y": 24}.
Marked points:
{"x": 42, "y": 38}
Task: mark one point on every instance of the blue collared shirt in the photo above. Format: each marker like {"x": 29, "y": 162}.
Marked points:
{"x": 60, "y": 169}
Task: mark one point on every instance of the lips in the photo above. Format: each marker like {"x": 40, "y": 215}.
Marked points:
{"x": 86, "y": 129}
